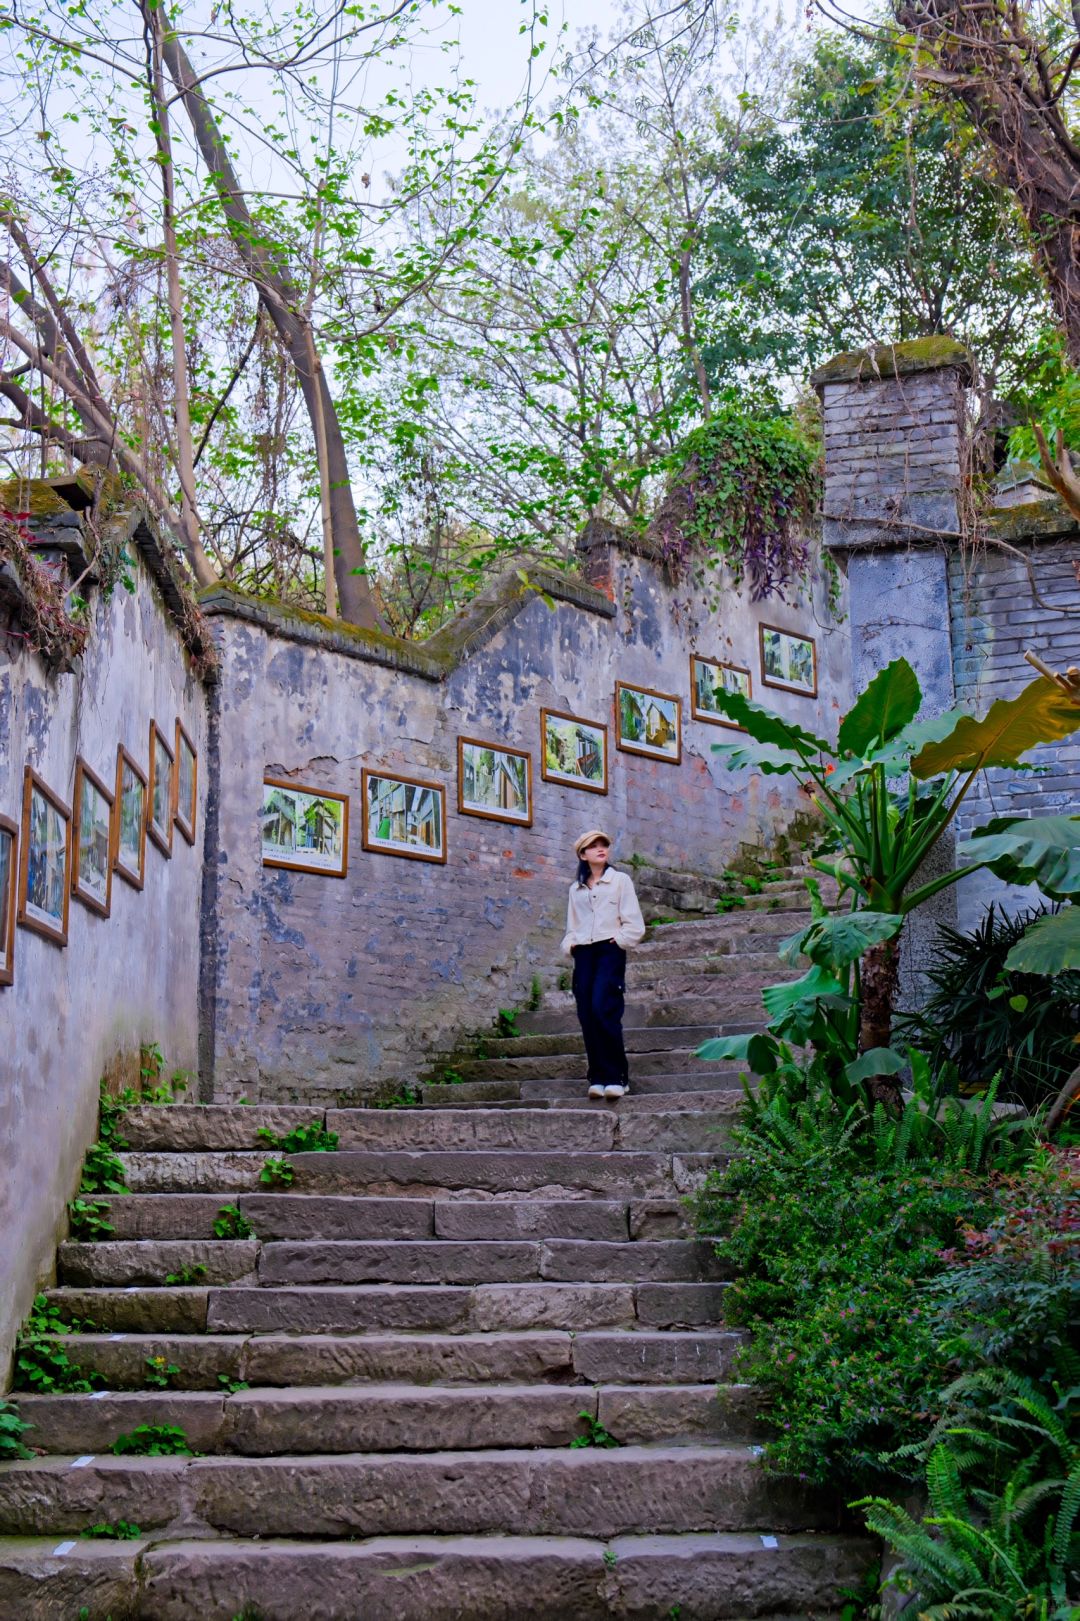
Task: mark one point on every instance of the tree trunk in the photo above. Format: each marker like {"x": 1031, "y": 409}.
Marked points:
{"x": 879, "y": 972}
{"x": 280, "y": 296}
{"x": 987, "y": 60}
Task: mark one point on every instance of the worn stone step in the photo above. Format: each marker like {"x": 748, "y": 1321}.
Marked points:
{"x": 632, "y": 1356}
{"x": 172, "y": 1216}
{"x": 213, "y": 1125}
{"x": 710, "y": 1576}
{"x": 558, "y": 1016}
{"x": 392, "y": 1171}
{"x": 605, "y": 1492}
{"x": 532, "y": 1130}
{"x": 572, "y": 1066}
{"x": 487, "y": 1261}
{"x": 393, "y": 1417}
{"x": 715, "y": 1078}
{"x": 393, "y": 1308}
{"x": 636, "y": 1039}
{"x": 152, "y": 1261}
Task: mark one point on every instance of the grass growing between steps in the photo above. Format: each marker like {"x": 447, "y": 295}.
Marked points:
{"x": 910, "y": 1285}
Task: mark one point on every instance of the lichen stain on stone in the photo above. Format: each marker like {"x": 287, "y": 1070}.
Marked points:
{"x": 291, "y": 668}
{"x": 494, "y": 910}
{"x": 411, "y": 1570}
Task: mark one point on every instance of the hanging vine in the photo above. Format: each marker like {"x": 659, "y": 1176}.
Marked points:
{"x": 51, "y": 628}
{"x": 743, "y": 493}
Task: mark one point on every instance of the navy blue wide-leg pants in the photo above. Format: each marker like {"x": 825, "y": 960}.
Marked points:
{"x": 599, "y": 990}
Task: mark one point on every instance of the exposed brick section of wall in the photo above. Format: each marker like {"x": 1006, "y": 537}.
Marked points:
{"x": 894, "y": 451}
{"x": 995, "y": 618}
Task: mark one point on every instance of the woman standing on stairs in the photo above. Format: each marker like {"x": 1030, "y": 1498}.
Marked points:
{"x": 603, "y": 919}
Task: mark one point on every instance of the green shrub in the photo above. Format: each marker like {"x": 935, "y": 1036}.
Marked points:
{"x": 153, "y": 1441}
{"x": 12, "y": 1430}
{"x": 987, "y": 1020}
{"x": 230, "y": 1222}
{"x": 308, "y": 1139}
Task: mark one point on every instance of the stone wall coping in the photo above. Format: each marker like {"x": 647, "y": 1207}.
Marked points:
{"x": 877, "y": 363}
{"x": 474, "y": 625}
{"x": 1033, "y": 521}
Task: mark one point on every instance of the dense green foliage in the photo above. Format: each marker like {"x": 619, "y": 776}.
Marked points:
{"x": 990, "y": 1021}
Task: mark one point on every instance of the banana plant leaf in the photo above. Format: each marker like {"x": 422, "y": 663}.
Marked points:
{"x": 878, "y": 1061}
{"x": 1050, "y": 946}
{"x": 760, "y": 756}
{"x": 794, "y": 1007}
{"x": 1041, "y": 713}
{"x": 887, "y": 705}
{"x": 757, "y": 1051}
{"x": 1043, "y": 850}
{"x": 765, "y": 727}
{"x": 834, "y": 942}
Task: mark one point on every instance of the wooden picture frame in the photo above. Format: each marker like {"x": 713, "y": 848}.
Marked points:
{"x": 410, "y": 809}
{"x": 185, "y": 806}
{"x": 710, "y": 717}
{"x": 159, "y": 794}
{"x": 642, "y": 716}
{"x": 45, "y": 862}
{"x": 91, "y": 846}
{"x": 290, "y": 809}
{"x": 9, "y": 888}
{"x": 130, "y": 793}
{"x": 552, "y": 772}
{"x": 502, "y": 784}
{"x": 778, "y": 667}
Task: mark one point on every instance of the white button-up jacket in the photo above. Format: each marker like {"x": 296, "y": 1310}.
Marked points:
{"x": 607, "y": 911}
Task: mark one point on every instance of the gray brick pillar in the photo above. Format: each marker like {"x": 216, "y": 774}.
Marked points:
{"x": 896, "y": 430}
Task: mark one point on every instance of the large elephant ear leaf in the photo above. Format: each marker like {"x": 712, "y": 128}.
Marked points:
{"x": 834, "y": 942}
{"x": 890, "y": 703}
{"x": 1050, "y": 946}
{"x": 1043, "y": 850}
{"x": 760, "y": 757}
{"x": 765, "y": 727}
{"x": 793, "y": 1007}
{"x": 1040, "y": 714}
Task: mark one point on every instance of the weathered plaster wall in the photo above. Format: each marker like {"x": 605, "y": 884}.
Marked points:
{"x": 121, "y": 980}
{"x": 324, "y": 986}
{"x": 995, "y": 618}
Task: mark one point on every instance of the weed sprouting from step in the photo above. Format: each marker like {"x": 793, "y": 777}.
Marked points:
{"x": 230, "y": 1385}
{"x": 153, "y": 1441}
{"x": 506, "y": 1024}
{"x": 309, "y": 1139}
{"x": 251, "y": 1612}
{"x": 12, "y": 1430}
{"x": 88, "y": 1221}
{"x": 730, "y": 903}
{"x": 595, "y": 1433}
{"x": 451, "y": 1077}
{"x": 187, "y": 1275}
{"x": 753, "y": 886}
{"x": 277, "y": 1173}
{"x": 160, "y": 1373}
{"x": 41, "y": 1364}
{"x": 122, "y": 1531}
{"x": 406, "y": 1097}
{"x": 611, "y": 1558}
{"x": 230, "y": 1222}
{"x": 536, "y": 995}
{"x": 102, "y": 1171}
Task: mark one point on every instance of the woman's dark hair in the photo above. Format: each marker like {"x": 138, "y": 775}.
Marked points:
{"x": 584, "y": 871}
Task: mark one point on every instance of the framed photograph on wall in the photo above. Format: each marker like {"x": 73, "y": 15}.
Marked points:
{"x": 404, "y": 817}
{"x": 129, "y": 820}
{"x": 306, "y": 829}
{"x": 648, "y": 722}
{"x": 91, "y": 841}
{"x": 44, "y": 886}
{"x": 185, "y": 783}
{"x": 159, "y": 793}
{"x": 573, "y": 751}
{"x": 788, "y": 661}
{"x": 707, "y": 678}
{"x": 9, "y": 872}
{"x": 494, "y": 781}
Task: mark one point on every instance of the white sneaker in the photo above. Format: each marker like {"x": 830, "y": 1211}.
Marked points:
{"x": 596, "y": 1091}
{"x": 614, "y": 1091}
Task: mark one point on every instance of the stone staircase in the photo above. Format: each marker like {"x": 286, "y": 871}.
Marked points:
{"x": 397, "y": 1391}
